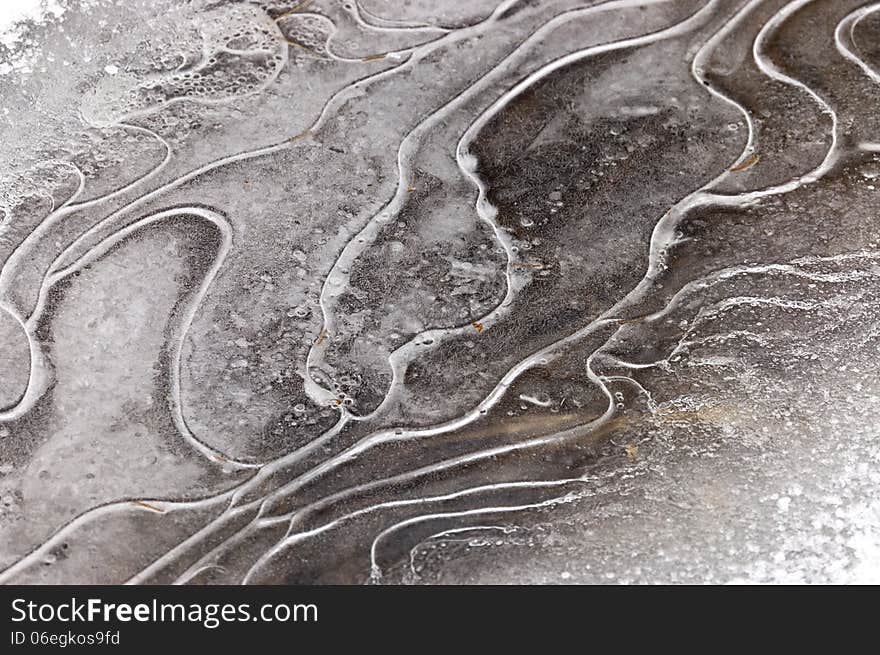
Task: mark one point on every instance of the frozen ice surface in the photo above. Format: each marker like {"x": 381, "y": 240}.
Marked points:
{"x": 440, "y": 292}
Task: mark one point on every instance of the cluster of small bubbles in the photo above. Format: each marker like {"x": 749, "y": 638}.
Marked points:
{"x": 310, "y": 31}
{"x": 300, "y": 312}
{"x": 348, "y": 381}
{"x": 225, "y": 75}
{"x": 228, "y": 52}
{"x": 236, "y": 24}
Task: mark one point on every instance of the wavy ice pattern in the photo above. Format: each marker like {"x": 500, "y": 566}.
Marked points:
{"x": 360, "y": 290}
